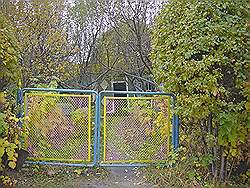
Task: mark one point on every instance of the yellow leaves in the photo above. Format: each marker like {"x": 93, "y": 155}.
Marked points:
{"x": 2, "y": 97}
{"x": 153, "y": 132}
{"x": 1, "y": 151}
{"x": 13, "y": 118}
{"x": 54, "y": 38}
{"x": 247, "y": 105}
{"x": 4, "y": 142}
{"x": 234, "y": 152}
{"x": 7, "y": 181}
{"x": 78, "y": 171}
{"x": 10, "y": 50}
{"x": 164, "y": 131}
{"x": 12, "y": 164}
{"x": 13, "y": 157}
{"x": 160, "y": 119}
{"x": 183, "y": 137}
{"x": 150, "y": 132}
{"x": 183, "y": 158}
{"x": 9, "y": 149}
{"x": 42, "y": 37}
{"x": 78, "y": 116}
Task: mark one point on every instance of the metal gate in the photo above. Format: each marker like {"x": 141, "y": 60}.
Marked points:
{"x": 84, "y": 128}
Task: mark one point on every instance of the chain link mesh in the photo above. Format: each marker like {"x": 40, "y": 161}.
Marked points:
{"x": 136, "y": 129}
{"x": 59, "y": 126}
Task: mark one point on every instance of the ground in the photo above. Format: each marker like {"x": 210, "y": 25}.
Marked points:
{"x": 53, "y": 177}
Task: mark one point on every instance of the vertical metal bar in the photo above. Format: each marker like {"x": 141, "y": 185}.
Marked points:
{"x": 25, "y": 114}
{"x": 96, "y": 130}
{"x": 20, "y": 111}
{"x": 89, "y": 128}
{"x": 19, "y": 105}
{"x": 175, "y": 127}
{"x": 104, "y": 129}
{"x": 99, "y": 128}
{"x": 177, "y": 132}
{"x": 168, "y": 126}
{"x": 173, "y": 131}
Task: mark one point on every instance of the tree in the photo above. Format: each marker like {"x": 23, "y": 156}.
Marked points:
{"x": 9, "y": 54}
{"x": 41, "y": 31}
{"x": 101, "y": 30}
{"x": 199, "y": 53}
{"x": 123, "y": 45}
{"x": 131, "y": 23}
{"x": 87, "y": 22}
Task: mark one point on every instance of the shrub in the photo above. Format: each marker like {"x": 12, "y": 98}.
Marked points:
{"x": 199, "y": 53}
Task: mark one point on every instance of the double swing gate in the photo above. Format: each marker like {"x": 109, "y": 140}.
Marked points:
{"x": 86, "y": 128}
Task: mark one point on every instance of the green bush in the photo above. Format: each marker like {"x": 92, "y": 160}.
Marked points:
{"x": 200, "y": 54}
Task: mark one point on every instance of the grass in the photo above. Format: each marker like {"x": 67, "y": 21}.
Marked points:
{"x": 55, "y": 176}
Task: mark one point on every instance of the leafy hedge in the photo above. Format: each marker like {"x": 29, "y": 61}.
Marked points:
{"x": 200, "y": 53}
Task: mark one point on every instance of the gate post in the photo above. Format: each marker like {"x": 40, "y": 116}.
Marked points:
{"x": 19, "y": 115}
{"x": 19, "y": 102}
{"x": 98, "y": 125}
{"x": 175, "y": 127}
{"x": 175, "y": 132}
{"x": 96, "y": 130}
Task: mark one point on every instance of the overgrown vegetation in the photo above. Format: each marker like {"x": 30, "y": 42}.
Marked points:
{"x": 9, "y": 74}
{"x": 200, "y": 54}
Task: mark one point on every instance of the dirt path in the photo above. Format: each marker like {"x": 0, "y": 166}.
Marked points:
{"x": 128, "y": 177}
{"x": 57, "y": 177}
{"x": 118, "y": 177}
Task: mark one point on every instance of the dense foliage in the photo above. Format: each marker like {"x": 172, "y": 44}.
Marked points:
{"x": 9, "y": 75}
{"x": 64, "y": 39}
{"x": 8, "y": 55}
{"x": 199, "y": 53}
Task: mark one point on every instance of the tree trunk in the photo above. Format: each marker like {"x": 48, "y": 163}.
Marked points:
{"x": 209, "y": 129}
{"x": 203, "y": 133}
{"x": 215, "y": 154}
{"x": 223, "y": 161}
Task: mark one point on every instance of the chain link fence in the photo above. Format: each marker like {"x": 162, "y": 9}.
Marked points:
{"x": 136, "y": 129}
{"x": 59, "y": 127}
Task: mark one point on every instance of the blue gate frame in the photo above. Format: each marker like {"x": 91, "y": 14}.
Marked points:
{"x": 175, "y": 123}
{"x": 97, "y": 122}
